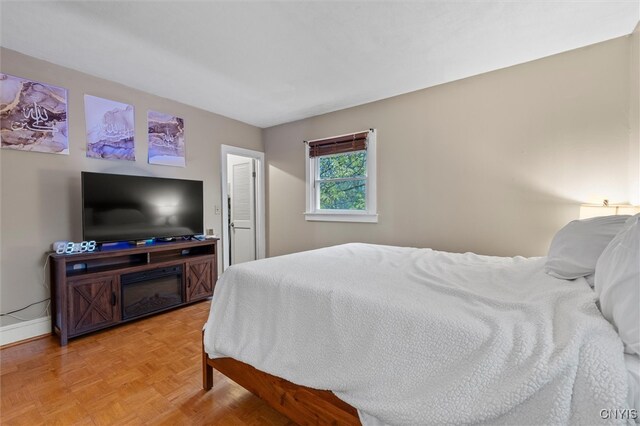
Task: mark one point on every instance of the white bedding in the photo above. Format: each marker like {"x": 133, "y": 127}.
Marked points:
{"x": 633, "y": 372}
{"x": 415, "y": 336}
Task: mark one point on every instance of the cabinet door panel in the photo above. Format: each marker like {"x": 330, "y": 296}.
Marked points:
{"x": 93, "y": 304}
{"x": 199, "y": 279}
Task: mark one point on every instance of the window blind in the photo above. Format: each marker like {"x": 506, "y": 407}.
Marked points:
{"x": 339, "y": 144}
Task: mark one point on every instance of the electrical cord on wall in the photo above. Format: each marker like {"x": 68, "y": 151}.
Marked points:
{"x": 44, "y": 272}
{"x": 44, "y": 283}
{"x": 48, "y": 299}
{"x": 46, "y": 309}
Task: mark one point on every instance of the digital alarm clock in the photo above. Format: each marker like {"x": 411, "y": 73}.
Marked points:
{"x": 69, "y": 247}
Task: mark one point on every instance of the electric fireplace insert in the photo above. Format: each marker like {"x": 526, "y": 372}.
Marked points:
{"x": 151, "y": 291}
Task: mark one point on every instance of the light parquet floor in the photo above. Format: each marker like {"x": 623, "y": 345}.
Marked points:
{"x": 145, "y": 372}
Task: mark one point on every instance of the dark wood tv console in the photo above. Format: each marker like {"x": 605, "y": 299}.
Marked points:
{"x": 92, "y": 291}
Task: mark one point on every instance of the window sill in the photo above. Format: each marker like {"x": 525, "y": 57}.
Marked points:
{"x": 341, "y": 217}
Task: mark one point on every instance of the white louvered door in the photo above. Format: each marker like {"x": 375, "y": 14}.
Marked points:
{"x": 243, "y": 228}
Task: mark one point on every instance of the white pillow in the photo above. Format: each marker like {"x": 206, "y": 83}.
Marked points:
{"x": 618, "y": 285}
{"x": 575, "y": 249}
{"x": 631, "y": 220}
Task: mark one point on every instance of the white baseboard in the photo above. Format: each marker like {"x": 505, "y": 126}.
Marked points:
{"x": 24, "y": 330}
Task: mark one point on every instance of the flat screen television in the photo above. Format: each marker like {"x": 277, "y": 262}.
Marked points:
{"x": 133, "y": 208}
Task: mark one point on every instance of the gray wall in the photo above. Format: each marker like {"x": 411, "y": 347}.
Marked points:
{"x": 494, "y": 164}
{"x": 40, "y": 193}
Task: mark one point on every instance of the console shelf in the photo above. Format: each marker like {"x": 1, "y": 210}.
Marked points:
{"x": 87, "y": 293}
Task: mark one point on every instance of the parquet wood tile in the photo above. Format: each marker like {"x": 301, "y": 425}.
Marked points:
{"x": 142, "y": 373}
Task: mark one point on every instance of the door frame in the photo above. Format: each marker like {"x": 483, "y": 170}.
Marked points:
{"x": 260, "y": 196}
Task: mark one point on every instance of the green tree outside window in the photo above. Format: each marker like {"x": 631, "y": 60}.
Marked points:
{"x": 342, "y": 180}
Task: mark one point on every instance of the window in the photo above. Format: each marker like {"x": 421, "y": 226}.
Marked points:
{"x": 341, "y": 178}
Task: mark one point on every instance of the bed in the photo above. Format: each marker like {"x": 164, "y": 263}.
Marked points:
{"x": 371, "y": 334}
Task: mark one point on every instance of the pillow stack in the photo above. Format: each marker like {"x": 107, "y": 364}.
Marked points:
{"x": 617, "y": 284}
{"x": 608, "y": 247}
{"x": 575, "y": 249}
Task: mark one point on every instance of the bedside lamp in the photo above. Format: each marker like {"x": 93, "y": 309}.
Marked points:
{"x": 605, "y": 209}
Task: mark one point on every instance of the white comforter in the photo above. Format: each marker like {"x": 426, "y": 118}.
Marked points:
{"x": 415, "y": 336}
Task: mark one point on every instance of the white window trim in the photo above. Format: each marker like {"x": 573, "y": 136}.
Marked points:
{"x": 367, "y": 216}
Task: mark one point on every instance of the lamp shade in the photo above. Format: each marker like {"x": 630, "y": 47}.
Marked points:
{"x": 594, "y": 210}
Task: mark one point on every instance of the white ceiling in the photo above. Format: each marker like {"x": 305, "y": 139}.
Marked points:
{"x": 271, "y": 62}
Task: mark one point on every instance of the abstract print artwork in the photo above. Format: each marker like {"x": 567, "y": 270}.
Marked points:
{"x": 166, "y": 139}
{"x": 33, "y": 116}
{"x": 110, "y": 129}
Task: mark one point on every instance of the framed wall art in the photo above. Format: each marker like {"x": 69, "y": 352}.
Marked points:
{"x": 110, "y": 129}
{"x": 166, "y": 139}
{"x": 33, "y": 116}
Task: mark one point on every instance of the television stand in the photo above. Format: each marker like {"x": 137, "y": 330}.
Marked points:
{"x": 116, "y": 284}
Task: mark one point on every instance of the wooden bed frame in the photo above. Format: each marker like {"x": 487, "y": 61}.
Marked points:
{"x": 303, "y": 405}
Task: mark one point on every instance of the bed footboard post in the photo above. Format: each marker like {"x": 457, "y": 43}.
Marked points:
{"x": 207, "y": 370}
